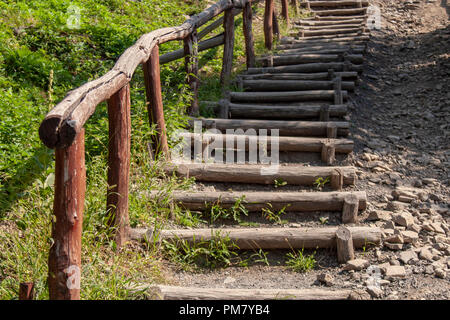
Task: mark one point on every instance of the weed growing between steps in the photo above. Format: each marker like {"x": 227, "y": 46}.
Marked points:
{"x": 300, "y": 262}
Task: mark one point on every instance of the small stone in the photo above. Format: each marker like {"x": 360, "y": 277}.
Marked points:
{"x": 409, "y": 236}
{"x": 429, "y": 270}
{"x": 406, "y": 256}
{"x": 359, "y": 294}
{"x": 326, "y": 279}
{"x": 229, "y": 280}
{"x": 395, "y": 272}
{"x": 394, "y": 246}
{"x": 356, "y": 264}
{"x": 404, "y": 219}
{"x": 425, "y": 254}
{"x": 440, "y": 273}
{"x": 437, "y": 227}
{"x": 396, "y": 238}
{"x": 379, "y": 215}
{"x": 375, "y": 291}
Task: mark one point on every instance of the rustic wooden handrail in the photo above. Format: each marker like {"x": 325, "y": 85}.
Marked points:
{"x": 63, "y": 127}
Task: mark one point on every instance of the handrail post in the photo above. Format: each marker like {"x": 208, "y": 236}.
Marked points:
{"x": 191, "y": 65}
{"x": 119, "y": 162}
{"x": 268, "y": 24}
{"x": 228, "y": 47}
{"x": 155, "y": 104}
{"x": 295, "y": 5}
{"x": 248, "y": 34}
{"x": 285, "y": 10}
{"x": 64, "y": 261}
{"x": 276, "y": 26}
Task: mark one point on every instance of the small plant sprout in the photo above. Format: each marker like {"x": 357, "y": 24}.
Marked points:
{"x": 323, "y": 220}
{"x": 279, "y": 183}
{"x": 273, "y": 216}
{"x": 321, "y": 182}
{"x": 299, "y": 262}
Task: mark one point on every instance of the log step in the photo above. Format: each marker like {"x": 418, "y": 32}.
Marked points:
{"x": 323, "y": 22}
{"x": 338, "y": 3}
{"x": 256, "y": 201}
{"x": 357, "y": 40}
{"x": 292, "y": 144}
{"x": 285, "y": 112}
{"x": 285, "y": 96}
{"x": 283, "y": 59}
{"x": 340, "y": 12}
{"x": 307, "y": 68}
{"x": 305, "y": 33}
{"x": 322, "y": 51}
{"x": 336, "y": 37}
{"x": 299, "y": 76}
{"x": 260, "y": 174}
{"x": 265, "y": 238}
{"x": 293, "y": 85}
{"x": 285, "y": 128}
{"x": 340, "y": 17}
{"x": 162, "y": 292}
{"x": 331, "y": 27}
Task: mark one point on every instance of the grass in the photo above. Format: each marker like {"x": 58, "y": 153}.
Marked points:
{"x": 300, "y": 262}
{"x": 41, "y": 59}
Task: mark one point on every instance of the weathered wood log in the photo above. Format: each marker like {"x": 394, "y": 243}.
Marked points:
{"x": 295, "y": 144}
{"x": 191, "y": 66}
{"x": 285, "y": 10}
{"x": 268, "y": 24}
{"x": 294, "y": 3}
{"x": 66, "y": 119}
{"x": 328, "y": 22}
{"x": 338, "y": 3}
{"x": 341, "y": 17}
{"x": 293, "y": 85}
{"x": 338, "y": 93}
{"x": 252, "y": 173}
{"x": 119, "y": 116}
{"x": 276, "y": 26}
{"x": 340, "y": 12}
{"x": 285, "y": 96}
{"x": 227, "y": 62}
{"x": 288, "y": 59}
{"x": 298, "y": 76}
{"x": 355, "y": 40}
{"x": 350, "y": 209}
{"x": 306, "y": 68}
{"x": 161, "y": 292}
{"x": 64, "y": 261}
{"x": 248, "y": 35}
{"x": 267, "y": 238}
{"x": 202, "y": 46}
{"x": 26, "y": 291}
{"x": 323, "y": 51}
{"x": 285, "y": 128}
{"x": 300, "y": 47}
{"x": 155, "y": 104}
{"x": 331, "y": 27}
{"x": 328, "y": 152}
{"x": 344, "y": 244}
{"x": 283, "y": 112}
{"x": 216, "y": 24}
{"x": 337, "y": 179}
{"x": 305, "y": 33}
{"x": 334, "y": 37}
{"x": 224, "y": 108}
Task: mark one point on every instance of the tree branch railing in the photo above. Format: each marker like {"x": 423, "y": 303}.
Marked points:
{"x": 63, "y": 127}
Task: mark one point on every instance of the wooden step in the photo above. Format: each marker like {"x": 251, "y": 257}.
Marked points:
{"x": 260, "y": 174}
{"x": 292, "y": 144}
{"x": 324, "y": 22}
{"x": 339, "y": 17}
{"x": 360, "y": 40}
{"x": 286, "y": 112}
{"x": 344, "y": 50}
{"x": 256, "y": 201}
{"x": 334, "y": 37}
{"x": 285, "y": 128}
{"x": 293, "y": 85}
{"x": 330, "y": 46}
{"x": 305, "y": 33}
{"x": 265, "y": 238}
{"x": 285, "y": 59}
{"x": 307, "y": 68}
{"x": 340, "y": 12}
{"x": 299, "y": 76}
{"x": 337, "y": 3}
{"x": 163, "y": 292}
{"x": 330, "y": 27}
{"x": 285, "y": 96}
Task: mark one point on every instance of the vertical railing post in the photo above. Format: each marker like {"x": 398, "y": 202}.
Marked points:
{"x": 26, "y": 291}
{"x": 276, "y": 26}
{"x": 268, "y": 24}
{"x": 155, "y": 104}
{"x": 191, "y": 65}
{"x": 285, "y": 10}
{"x": 295, "y": 5}
{"x": 227, "y": 62}
{"x": 119, "y": 162}
{"x": 248, "y": 34}
{"x": 64, "y": 261}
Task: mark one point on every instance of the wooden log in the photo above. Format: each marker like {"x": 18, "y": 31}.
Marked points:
{"x": 337, "y": 179}
{"x": 331, "y": 27}
{"x": 251, "y": 173}
{"x": 332, "y": 130}
{"x": 284, "y": 112}
{"x": 64, "y": 261}
{"x": 334, "y": 37}
{"x": 295, "y": 144}
{"x": 299, "y": 47}
{"x": 350, "y": 209}
{"x": 216, "y": 24}
{"x": 355, "y": 40}
{"x": 227, "y": 62}
{"x": 268, "y": 238}
{"x": 326, "y": 32}
{"x": 294, "y": 3}
{"x": 285, "y": 96}
{"x": 26, "y": 291}
{"x": 276, "y": 26}
{"x": 162, "y": 292}
{"x": 324, "y": 51}
{"x": 340, "y": 17}
{"x": 289, "y": 58}
{"x": 328, "y": 152}
{"x": 294, "y": 85}
{"x": 324, "y": 22}
{"x": 338, "y": 95}
{"x": 268, "y": 24}
{"x": 224, "y": 108}
{"x": 248, "y": 35}
{"x": 155, "y": 105}
{"x": 325, "y": 112}
{"x": 285, "y": 10}
{"x": 344, "y": 244}
{"x": 338, "y": 3}
{"x": 305, "y": 68}
{"x": 119, "y": 116}
{"x": 340, "y": 12}
{"x": 202, "y": 46}
{"x": 285, "y": 128}
{"x": 298, "y": 76}
{"x": 66, "y": 119}
{"x": 191, "y": 66}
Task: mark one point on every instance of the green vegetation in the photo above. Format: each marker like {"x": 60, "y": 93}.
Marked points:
{"x": 300, "y": 262}
{"x": 321, "y": 182}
